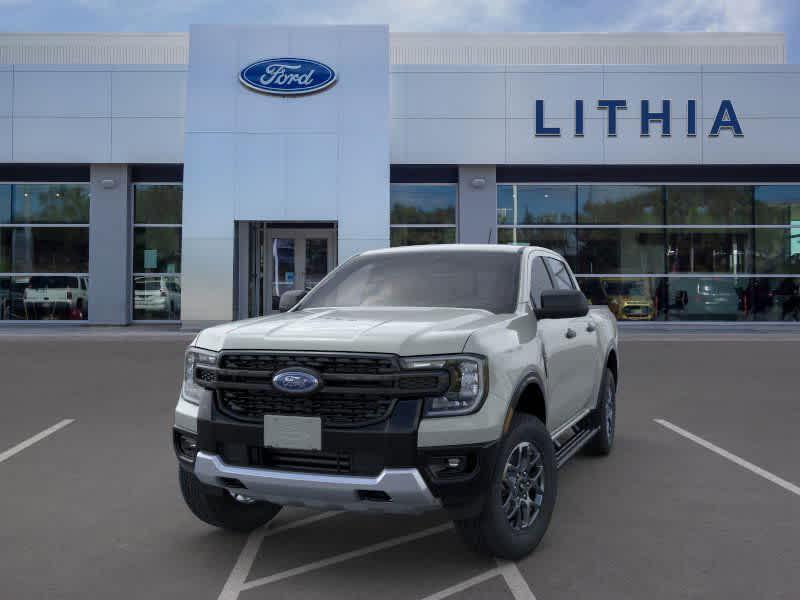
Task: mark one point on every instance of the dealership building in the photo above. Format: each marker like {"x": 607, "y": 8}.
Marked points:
{"x": 192, "y": 178}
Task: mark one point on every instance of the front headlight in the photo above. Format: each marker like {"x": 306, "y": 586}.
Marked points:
{"x": 468, "y": 384}
{"x": 191, "y": 390}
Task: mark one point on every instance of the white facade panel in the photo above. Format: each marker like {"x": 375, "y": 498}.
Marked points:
{"x": 558, "y": 90}
{"x": 765, "y": 141}
{"x": 62, "y": 93}
{"x": 5, "y": 139}
{"x": 302, "y": 134}
{"x": 77, "y": 140}
{"x": 148, "y": 93}
{"x": 629, "y": 148}
{"x": 524, "y": 148}
{"x": 147, "y": 140}
{"x": 6, "y": 91}
{"x": 454, "y": 141}
{"x": 454, "y": 95}
{"x": 753, "y": 94}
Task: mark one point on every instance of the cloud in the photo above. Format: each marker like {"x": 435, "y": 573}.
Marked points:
{"x": 705, "y": 15}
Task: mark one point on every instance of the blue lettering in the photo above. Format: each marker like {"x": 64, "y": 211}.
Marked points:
{"x": 691, "y": 118}
{"x": 578, "y": 118}
{"x": 541, "y": 130}
{"x": 663, "y": 116}
{"x": 612, "y": 106}
{"x": 726, "y": 119}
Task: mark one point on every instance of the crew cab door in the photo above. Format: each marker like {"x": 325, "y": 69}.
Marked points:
{"x": 569, "y": 345}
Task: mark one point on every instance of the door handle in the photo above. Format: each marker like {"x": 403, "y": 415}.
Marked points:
{"x": 591, "y": 327}
{"x": 571, "y": 333}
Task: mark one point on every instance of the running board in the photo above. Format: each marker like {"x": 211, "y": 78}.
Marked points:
{"x": 575, "y": 443}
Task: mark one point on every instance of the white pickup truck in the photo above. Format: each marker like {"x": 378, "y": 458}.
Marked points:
{"x": 458, "y": 377}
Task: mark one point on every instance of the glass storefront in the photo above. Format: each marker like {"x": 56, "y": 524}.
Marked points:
{"x": 44, "y": 251}
{"x": 423, "y": 213}
{"x": 668, "y": 252}
{"x": 156, "y": 285}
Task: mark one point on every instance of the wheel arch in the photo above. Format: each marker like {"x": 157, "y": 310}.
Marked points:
{"x": 529, "y": 398}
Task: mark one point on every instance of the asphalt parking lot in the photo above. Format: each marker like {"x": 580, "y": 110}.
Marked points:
{"x": 92, "y": 508}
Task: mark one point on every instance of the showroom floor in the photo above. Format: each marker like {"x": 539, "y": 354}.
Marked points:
{"x": 699, "y": 498}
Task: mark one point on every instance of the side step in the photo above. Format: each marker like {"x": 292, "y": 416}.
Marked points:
{"x": 567, "y": 450}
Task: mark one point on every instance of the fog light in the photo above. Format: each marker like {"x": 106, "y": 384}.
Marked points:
{"x": 187, "y": 445}
{"x": 454, "y": 463}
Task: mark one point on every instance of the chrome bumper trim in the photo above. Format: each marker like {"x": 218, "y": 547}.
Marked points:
{"x": 405, "y": 487}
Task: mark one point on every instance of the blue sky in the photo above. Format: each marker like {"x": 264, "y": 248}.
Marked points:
{"x": 414, "y": 15}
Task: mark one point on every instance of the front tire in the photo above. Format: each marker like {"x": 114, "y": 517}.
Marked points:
{"x": 520, "y": 502}
{"x": 221, "y": 509}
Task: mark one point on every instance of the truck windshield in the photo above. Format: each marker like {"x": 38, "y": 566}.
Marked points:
{"x": 455, "y": 279}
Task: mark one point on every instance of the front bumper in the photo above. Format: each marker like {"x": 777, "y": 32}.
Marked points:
{"x": 394, "y": 490}
{"x": 386, "y": 470}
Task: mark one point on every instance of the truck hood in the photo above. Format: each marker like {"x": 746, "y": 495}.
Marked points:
{"x": 402, "y": 331}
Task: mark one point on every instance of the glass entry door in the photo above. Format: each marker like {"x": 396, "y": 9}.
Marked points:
{"x": 295, "y": 259}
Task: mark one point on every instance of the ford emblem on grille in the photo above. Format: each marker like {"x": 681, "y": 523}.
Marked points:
{"x": 294, "y": 381}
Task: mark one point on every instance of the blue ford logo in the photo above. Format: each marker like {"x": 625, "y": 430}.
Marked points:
{"x": 287, "y": 76}
{"x": 295, "y": 382}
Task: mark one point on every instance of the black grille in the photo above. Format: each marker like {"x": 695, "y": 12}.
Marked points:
{"x": 336, "y": 411}
{"x": 284, "y": 460}
{"x": 355, "y": 390}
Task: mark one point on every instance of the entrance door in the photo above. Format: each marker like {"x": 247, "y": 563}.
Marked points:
{"x": 288, "y": 259}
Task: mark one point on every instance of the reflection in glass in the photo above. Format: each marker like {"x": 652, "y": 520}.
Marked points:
{"x": 157, "y": 249}
{"x": 562, "y": 241}
{"x": 710, "y": 251}
{"x": 777, "y": 205}
{"x": 620, "y": 251}
{"x": 628, "y": 298}
{"x": 417, "y": 204}
{"x": 156, "y": 297}
{"x": 158, "y": 204}
{"x": 778, "y": 250}
{"x": 412, "y": 236}
{"x": 38, "y": 203}
{"x": 536, "y": 204}
{"x": 774, "y": 299}
{"x": 44, "y": 298}
{"x": 708, "y": 299}
{"x": 709, "y": 205}
{"x": 283, "y": 270}
{"x": 316, "y": 261}
{"x": 617, "y": 204}
{"x": 44, "y": 249}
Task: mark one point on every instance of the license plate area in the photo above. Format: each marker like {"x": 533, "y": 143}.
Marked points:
{"x": 292, "y": 433}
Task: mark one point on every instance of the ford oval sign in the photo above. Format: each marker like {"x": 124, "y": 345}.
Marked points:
{"x": 287, "y": 76}
{"x": 294, "y": 381}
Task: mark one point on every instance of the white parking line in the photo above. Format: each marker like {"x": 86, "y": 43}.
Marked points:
{"x": 464, "y": 585}
{"x": 515, "y": 581}
{"x": 333, "y": 560}
{"x": 33, "y": 439}
{"x": 244, "y": 563}
{"x": 788, "y": 486}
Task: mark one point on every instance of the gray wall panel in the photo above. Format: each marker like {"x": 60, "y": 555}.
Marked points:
{"x": 477, "y": 206}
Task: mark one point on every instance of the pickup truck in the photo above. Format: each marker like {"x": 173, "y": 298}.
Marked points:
{"x": 409, "y": 379}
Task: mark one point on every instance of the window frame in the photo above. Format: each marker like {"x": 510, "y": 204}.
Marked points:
{"x": 82, "y": 277}
{"x": 132, "y": 226}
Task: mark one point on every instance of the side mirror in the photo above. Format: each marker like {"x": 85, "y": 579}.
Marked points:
{"x": 562, "y": 304}
{"x": 290, "y": 299}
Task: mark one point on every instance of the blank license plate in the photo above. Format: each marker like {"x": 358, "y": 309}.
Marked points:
{"x": 292, "y": 433}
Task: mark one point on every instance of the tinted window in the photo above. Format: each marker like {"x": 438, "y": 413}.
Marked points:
{"x": 459, "y": 279}
{"x": 561, "y": 277}
{"x": 540, "y": 281}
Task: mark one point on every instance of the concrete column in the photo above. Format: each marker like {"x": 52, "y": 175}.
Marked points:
{"x": 109, "y": 245}
{"x": 477, "y": 204}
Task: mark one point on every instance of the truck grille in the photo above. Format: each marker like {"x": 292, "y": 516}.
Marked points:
{"x": 355, "y": 390}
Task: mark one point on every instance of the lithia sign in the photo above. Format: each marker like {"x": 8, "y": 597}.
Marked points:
{"x": 726, "y": 119}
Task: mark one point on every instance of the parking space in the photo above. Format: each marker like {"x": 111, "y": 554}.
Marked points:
{"x": 93, "y": 508}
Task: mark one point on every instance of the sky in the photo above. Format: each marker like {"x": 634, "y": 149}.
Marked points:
{"x": 414, "y": 15}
